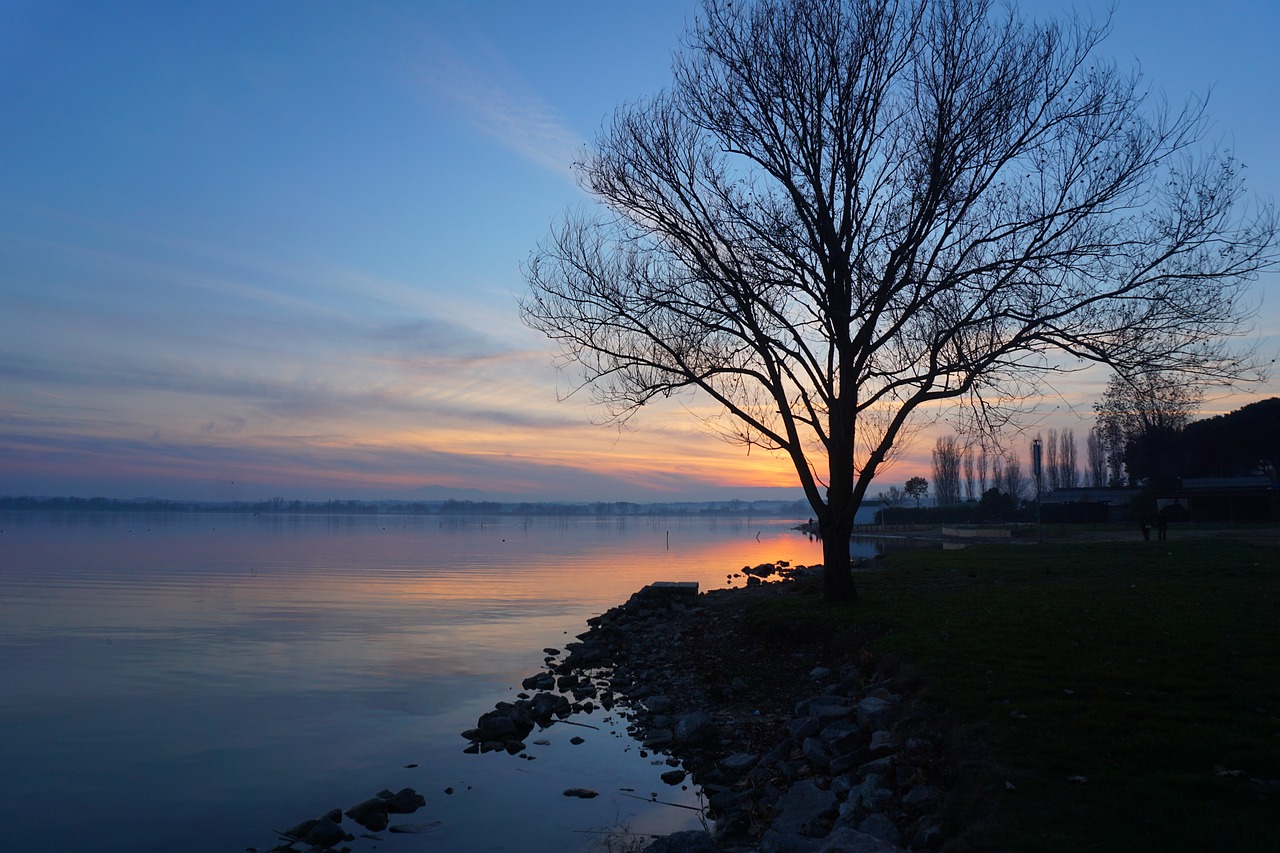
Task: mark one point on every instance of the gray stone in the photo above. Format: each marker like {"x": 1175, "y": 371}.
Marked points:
{"x": 842, "y": 764}
{"x": 815, "y": 752}
{"x": 873, "y": 710}
{"x": 689, "y": 841}
{"x": 371, "y": 814}
{"x": 797, "y": 809}
{"x": 697, "y": 727}
{"x": 870, "y": 796}
{"x": 658, "y": 704}
{"x": 581, "y": 793}
{"x": 880, "y": 826}
{"x": 810, "y": 707}
{"x": 846, "y": 840}
{"x": 883, "y": 742}
{"x": 738, "y": 763}
{"x": 921, "y": 796}
{"x": 803, "y": 727}
{"x": 842, "y": 736}
{"x": 658, "y": 739}
{"x": 673, "y": 777}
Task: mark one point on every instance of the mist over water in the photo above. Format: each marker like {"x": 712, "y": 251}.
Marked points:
{"x": 195, "y": 681}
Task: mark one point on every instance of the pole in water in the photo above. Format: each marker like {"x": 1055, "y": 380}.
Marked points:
{"x": 668, "y": 540}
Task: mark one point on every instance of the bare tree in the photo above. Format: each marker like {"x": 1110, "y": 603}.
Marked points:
{"x": 1097, "y": 452}
{"x": 946, "y": 470}
{"x": 982, "y": 472}
{"x": 971, "y": 492}
{"x": 1050, "y": 465}
{"x": 1142, "y": 417}
{"x": 1010, "y": 479}
{"x": 845, "y": 211}
{"x": 893, "y": 496}
{"x": 1068, "y": 473}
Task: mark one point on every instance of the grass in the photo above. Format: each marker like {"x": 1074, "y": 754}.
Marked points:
{"x": 1151, "y": 671}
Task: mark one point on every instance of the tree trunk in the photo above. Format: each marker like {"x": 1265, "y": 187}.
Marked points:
{"x": 837, "y": 565}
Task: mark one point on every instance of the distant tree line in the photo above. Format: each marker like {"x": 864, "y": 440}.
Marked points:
{"x": 1145, "y": 435}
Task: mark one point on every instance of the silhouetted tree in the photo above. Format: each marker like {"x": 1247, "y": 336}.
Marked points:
{"x": 1068, "y": 475}
{"x": 1097, "y": 452}
{"x": 1142, "y": 416}
{"x": 843, "y": 211}
{"x": 946, "y": 470}
{"x": 916, "y": 487}
{"x": 971, "y": 491}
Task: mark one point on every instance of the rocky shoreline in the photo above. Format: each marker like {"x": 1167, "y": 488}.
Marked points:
{"x": 798, "y": 747}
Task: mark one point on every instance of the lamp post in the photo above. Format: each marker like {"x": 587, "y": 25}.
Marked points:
{"x": 1036, "y": 470}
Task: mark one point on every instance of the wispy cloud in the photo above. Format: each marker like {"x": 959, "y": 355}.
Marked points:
{"x": 500, "y": 105}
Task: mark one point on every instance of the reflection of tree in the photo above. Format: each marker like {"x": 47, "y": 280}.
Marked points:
{"x": 846, "y": 211}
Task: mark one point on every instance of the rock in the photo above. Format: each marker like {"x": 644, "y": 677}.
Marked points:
{"x": 814, "y": 704}
{"x": 803, "y": 727}
{"x": 880, "y": 826}
{"x": 920, "y": 797}
{"x": 815, "y": 752}
{"x": 324, "y": 831}
{"x": 842, "y": 736}
{"x": 404, "y": 801}
{"x": 541, "y": 681}
{"x": 673, "y": 777}
{"x": 689, "y": 841}
{"x": 575, "y": 740}
{"x": 797, "y": 810}
{"x": 846, "y": 840}
{"x": 658, "y": 704}
{"x": 581, "y": 793}
{"x": 738, "y": 763}
{"x": 873, "y": 710}
{"x": 371, "y": 814}
{"x": 882, "y": 743}
{"x": 818, "y": 673}
{"x": 659, "y": 739}
{"x": 697, "y": 727}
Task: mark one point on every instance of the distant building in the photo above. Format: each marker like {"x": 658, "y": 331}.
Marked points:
{"x": 1229, "y": 499}
{"x": 1087, "y": 504}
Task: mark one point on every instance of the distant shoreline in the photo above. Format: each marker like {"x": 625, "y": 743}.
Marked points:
{"x": 452, "y": 508}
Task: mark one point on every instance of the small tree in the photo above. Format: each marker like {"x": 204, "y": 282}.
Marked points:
{"x": 916, "y": 487}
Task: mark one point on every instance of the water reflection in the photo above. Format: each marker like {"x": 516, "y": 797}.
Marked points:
{"x": 189, "y": 681}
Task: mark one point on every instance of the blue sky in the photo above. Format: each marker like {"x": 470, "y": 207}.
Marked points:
{"x": 273, "y": 248}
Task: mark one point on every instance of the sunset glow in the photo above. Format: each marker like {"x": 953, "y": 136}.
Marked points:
{"x": 250, "y": 250}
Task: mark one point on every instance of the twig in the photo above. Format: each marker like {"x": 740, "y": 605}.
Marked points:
{"x": 572, "y": 723}
{"x": 665, "y": 803}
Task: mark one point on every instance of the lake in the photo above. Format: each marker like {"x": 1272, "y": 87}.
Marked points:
{"x": 195, "y": 681}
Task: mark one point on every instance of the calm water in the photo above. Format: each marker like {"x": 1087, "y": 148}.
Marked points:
{"x": 191, "y": 682}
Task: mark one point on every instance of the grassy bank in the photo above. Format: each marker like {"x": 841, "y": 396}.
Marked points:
{"x": 1112, "y": 696}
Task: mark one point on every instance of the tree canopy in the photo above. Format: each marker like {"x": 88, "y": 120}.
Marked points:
{"x": 844, "y": 213}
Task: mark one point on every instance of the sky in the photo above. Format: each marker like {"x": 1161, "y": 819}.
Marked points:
{"x": 256, "y": 249}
